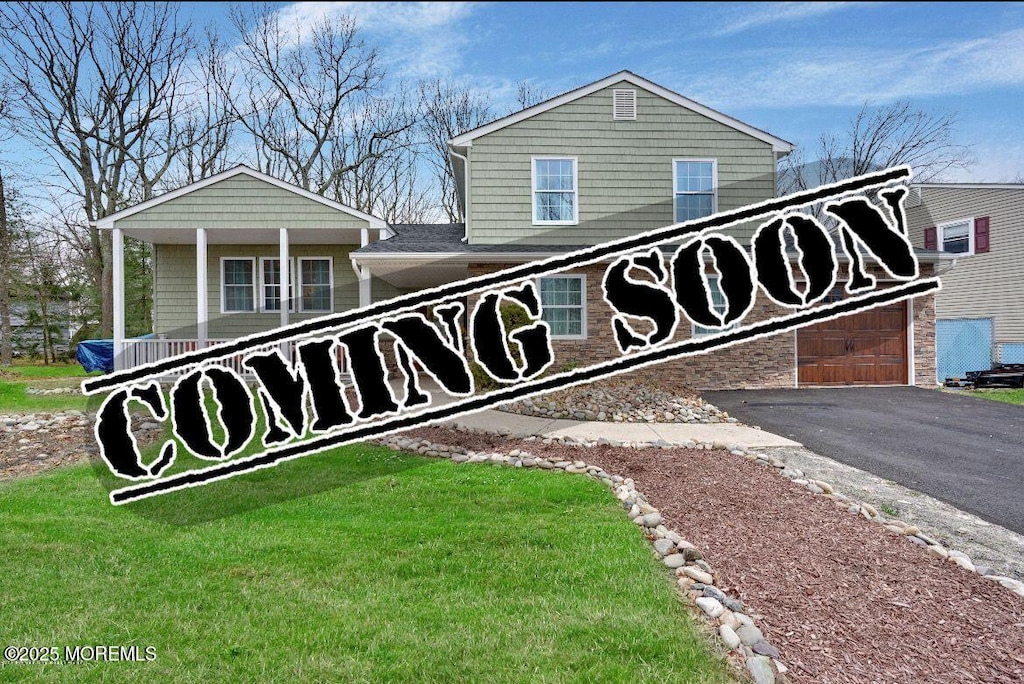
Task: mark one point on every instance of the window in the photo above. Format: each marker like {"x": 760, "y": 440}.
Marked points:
{"x": 718, "y": 301}
{"x": 562, "y": 305}
{"x": 957, "y": 237}
{"x": 270, "y": 289}
{"x": 623, "y": 105}
{"x": 695, "y": 184}
{"x": 554, "y": 191}
{"x": 316, "y": 282}
{"x": 238, "y": 289}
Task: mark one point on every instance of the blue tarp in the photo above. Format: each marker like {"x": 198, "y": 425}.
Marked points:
{"x": 96, "y": 355}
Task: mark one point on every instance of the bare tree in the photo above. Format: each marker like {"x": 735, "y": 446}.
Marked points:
{"x": 878, "y": 138}
{"x": 528, "y": 94}
{"x": 5, "y": 245}
{"x": 449, "y": 110}
{"x": 301, "y": 94}
{"x": 97, "y": 89}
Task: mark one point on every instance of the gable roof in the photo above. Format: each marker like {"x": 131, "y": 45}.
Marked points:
{"x": 971, "y": 186}
{"x": 778, "y": 144}
{"x": 241, "y": 169}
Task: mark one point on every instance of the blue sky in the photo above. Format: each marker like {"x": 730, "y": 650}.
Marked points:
{"x": 794, "y": 69}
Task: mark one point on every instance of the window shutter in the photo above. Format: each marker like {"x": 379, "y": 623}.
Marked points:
{"x": 981, "y": 235}
{"x": 930, "y": 240}
{"x": 623, "y": 105}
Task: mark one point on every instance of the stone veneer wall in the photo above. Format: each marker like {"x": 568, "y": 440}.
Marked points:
{"x": 767, "y": 363}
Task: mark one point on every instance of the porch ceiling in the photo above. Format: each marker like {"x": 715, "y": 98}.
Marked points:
{"x": 225, "y": 236}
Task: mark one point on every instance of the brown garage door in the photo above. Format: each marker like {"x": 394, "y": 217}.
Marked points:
{"x": 868, "y": 348}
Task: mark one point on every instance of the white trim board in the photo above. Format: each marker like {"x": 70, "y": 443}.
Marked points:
{"x": 778, "y": 144}
{"x": 107, "y": 222}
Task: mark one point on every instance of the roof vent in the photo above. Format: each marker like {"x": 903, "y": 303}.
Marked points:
{"x": 623, "y": 105}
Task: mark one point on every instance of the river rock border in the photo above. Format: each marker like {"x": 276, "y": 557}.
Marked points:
{"x": 695, "y": 577}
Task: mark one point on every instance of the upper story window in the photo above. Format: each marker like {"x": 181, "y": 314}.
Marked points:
{"x": 695, "y": 182}
{"x": 554, "y": 191}
{"x": 957, "y": 237}
{"x": 238, "y": 285}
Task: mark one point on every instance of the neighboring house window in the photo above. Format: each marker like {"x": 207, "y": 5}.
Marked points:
{"x": 316, "y": 283}
{"x": 554, "y": 191}
{"x": 718, "y": 301}
{"x": 957, "y": 237}
{"x": 270, "y": 274}
{"x": 238, "y": 289}
{"x": 696, "y": 188}
{"x": 562, "y": 305}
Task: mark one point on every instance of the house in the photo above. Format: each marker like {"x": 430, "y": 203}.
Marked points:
{"x": 612, "y": 158}
{"x": 980, "y": 311}
{"x": 27, "y": 328}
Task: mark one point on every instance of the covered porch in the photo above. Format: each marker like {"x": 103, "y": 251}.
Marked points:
{"x": 236, "y": 254}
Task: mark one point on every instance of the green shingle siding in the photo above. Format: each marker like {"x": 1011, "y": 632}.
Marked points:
{"x": 624, "y": 169}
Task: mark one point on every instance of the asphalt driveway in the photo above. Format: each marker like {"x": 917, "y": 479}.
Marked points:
{"x": 966, "y": 451}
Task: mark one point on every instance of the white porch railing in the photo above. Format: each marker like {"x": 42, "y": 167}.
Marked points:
{"x": 139, "y": 352}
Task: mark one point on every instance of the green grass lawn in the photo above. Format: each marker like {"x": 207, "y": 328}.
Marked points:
{"x": 1008, "y": 396}
{"x": 14, "y": 380}
{"x": 360, "y": 564}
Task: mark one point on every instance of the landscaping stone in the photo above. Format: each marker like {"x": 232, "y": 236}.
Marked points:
{"x": 711, "y": 607}
{"x": 749, "y": 634}
{"x": 729, "y": 636}
{"x": 761, "y": 669}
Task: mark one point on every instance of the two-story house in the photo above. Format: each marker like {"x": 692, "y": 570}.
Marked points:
{"x": 980, "y": 310}
{"x": 612, "y": 158}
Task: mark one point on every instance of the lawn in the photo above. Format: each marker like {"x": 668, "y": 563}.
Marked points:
{"x": 1008, "y": 396}
{"x": 360, "y": 564}
{"x": 14, "y": 380}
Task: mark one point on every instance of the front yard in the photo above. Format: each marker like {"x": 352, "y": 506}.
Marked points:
{"x": 1007, "y": 396}
{"x": 361, "y": 564}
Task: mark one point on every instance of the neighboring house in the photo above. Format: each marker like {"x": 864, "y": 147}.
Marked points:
{"x": 980, "y": 310}
{"x": 27, "y": 328}
{"x": 610, "y": 159}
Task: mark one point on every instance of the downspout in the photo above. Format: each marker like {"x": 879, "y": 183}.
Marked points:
{"x": 465, "y": 165}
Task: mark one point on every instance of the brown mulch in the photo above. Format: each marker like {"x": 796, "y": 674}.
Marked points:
{"x": 843, "y": 599}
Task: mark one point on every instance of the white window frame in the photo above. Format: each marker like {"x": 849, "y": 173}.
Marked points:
{"x": 223, "y": 286}
{"x": 575, "y": 185}
{"x": 702, "y": 331}
{"x": 940, "y": 241}
{"x": 299, "y": 283}
{"x": 582, "y": 277}
{"x": 675, "y": 183}
{"x": 264, "y": 284}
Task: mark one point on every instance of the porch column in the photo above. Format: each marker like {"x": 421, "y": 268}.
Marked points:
{"x": 285, "y": 274}
{"x": 364, "y": 286}
{"x": 202, "y": 300}
{"x": 364, "y": 272}
{"x": 117, "y": 254}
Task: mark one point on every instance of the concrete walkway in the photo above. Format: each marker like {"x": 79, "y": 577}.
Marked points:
{"x": 673, "y": 433}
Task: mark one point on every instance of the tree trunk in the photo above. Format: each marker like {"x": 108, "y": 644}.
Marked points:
{"x": 5, "y": 280}
{"x": 107, "y": 283}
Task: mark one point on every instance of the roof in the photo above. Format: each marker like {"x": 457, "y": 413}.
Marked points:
{"x": 778, "y": 144}
{"x": 108, "y": 221}
{"x": 971, "y": 186}
{"x": 444, "y": 240}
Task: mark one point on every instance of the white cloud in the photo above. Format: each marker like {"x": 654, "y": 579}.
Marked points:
{"x": 773, "y": 13}
{"x": 418, "y": 39}
{"x": 829, "y": 76}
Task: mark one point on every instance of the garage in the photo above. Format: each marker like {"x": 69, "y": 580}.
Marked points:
{"x": 868, "y": 348}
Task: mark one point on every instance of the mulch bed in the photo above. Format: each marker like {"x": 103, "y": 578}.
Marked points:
{"x": 842, "y": 598}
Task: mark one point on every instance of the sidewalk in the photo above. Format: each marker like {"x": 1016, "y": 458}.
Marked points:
{"x": 672, "y": 433}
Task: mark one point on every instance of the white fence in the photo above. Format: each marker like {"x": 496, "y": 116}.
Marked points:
{"x": 137, "y": 352}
